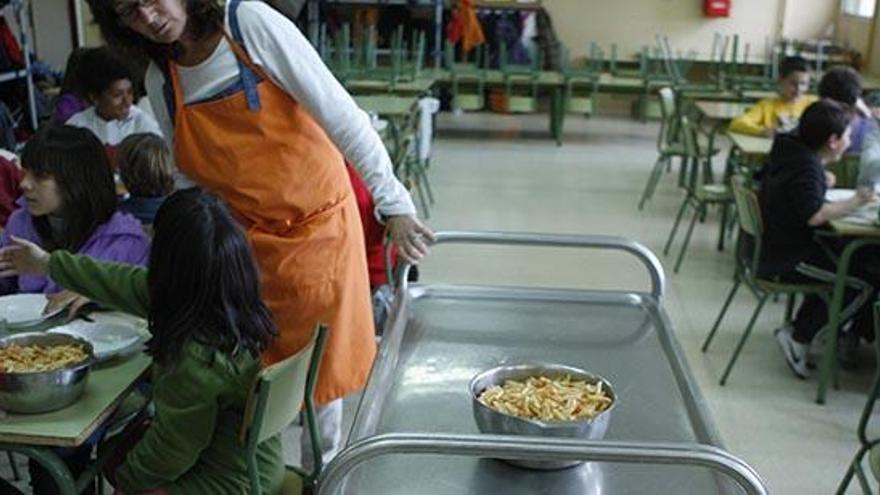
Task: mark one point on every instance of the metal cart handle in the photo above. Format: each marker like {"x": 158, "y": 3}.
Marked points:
{"x": 544, "y": 449}
{"x": 655, "y": 269}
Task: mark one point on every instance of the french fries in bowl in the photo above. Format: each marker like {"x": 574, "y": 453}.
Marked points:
{"x": 542, "y": 400}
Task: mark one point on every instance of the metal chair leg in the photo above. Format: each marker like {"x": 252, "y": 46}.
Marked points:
{"x": 698, "y": 212}
{"x": 678, "y": 217}
{"x": 724, "y": 308}
{"x": 742, "y": 341}
{"x": 789, "y": 308}
{"x": 653, "y": 179}
{"x": 15, "y": 474}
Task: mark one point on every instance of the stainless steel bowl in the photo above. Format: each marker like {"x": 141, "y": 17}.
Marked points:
{"x": 44, "y": 391}
{"x": 494, "y": 422}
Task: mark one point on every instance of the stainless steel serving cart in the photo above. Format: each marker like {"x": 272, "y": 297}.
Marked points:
{"x": 414, "y": 432}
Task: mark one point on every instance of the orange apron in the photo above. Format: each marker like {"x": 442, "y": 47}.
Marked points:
{"x": 265, "y": 155}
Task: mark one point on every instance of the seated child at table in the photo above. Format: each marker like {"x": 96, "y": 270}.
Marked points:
{"x": 780, "y": 113}
{"x": 209, "y": 327}
{"x": 146, "y": 169}
{"x": 844, "y": 85}
{"x": 70, "y": 203}
{"x": 793, "y": 207}
{"x": 108, "y": 84}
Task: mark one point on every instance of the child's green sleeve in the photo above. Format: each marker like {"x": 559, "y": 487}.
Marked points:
{"x": 118, "y": 286}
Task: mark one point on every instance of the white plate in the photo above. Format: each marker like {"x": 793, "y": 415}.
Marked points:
{"x": 24, "y": 309}
{"x": 837, "y": 194}
{"x": 108, "y": 339}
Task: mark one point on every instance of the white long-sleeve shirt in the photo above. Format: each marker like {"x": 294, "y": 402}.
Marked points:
{"x": 276, "y": 45}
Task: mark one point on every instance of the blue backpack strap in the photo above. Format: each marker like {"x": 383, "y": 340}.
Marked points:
{"x": 249, "y": 79}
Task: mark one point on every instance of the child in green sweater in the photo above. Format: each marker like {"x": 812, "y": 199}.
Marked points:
{"x": 201, "y": 296}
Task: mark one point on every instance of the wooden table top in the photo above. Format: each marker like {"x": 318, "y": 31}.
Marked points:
{"x": 107, "y": 387}
{"x": 861, "y": 223}
{"x": 754, "y": 146}
{"x": 721, "y": 110}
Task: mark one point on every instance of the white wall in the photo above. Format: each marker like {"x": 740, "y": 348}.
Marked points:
{"x": 633, "y": 23}
{"x": 809, "y": 19}
{"x": 854, "y": 32}
{"x": 52, "y": 37}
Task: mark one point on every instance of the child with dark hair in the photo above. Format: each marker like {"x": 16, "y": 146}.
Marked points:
{"x": 844, "y": 85}
{"x": 209, "y": 326}
{"x": 146, "y": 168}
{"x": 108, "y": 83}
{"x": 768, "y": 116}
{"x": 71, "y": 204}
{"x": 793, "y": 207}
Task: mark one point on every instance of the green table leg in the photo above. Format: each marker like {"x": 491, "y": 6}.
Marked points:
{"x": 834, "y": 310}
{"x": 557, "y": 115}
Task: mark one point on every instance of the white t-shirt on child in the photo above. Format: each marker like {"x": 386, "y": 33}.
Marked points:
{"x": 112, "y": 132}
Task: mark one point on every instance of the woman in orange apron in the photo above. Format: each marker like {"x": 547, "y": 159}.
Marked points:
{"x": 277, "y": 166}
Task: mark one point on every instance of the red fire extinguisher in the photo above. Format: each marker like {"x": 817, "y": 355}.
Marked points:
{"x": 716, "y": 8}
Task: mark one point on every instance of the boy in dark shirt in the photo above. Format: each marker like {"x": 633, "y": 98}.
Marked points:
{"x": 792, "y": 199}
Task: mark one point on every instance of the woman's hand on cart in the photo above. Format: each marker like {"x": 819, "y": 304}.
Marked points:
{"x": 411, "y": 236}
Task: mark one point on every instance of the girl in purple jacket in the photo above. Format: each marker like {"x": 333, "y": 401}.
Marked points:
{"x": 70, "y": 203}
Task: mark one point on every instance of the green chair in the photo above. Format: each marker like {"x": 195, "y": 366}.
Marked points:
{"x": 868, "y": 446}
{"x": 641, "y": 68}
{"x": 751, "y": 232}
{"x": 700, "y": 192}
{"x": 468, "y": 79}
{"x": 580, "y": 84}
{"x": 520, "y": 83}
{"x": 274, "y": 403}
{"x": 669, "y": 144}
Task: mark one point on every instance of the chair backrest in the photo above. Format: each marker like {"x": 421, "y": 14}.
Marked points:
{"x": 747, "y": 206}
{"x": 748, "y": 211}
{"x": 668, "y": 116}
{"x": 277, "y": 398}
{"x": 667, "y": 102}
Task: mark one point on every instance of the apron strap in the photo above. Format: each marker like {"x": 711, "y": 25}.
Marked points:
{"x": 249, "y": 78}
{"x": 249, "y": 73}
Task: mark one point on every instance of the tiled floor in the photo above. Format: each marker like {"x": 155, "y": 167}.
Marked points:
{"x": 502, "y": 173}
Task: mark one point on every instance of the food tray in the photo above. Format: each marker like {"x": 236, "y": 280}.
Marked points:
{"x": 661, "y": 439}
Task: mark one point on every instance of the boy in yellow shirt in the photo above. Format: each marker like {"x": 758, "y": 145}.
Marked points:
{"x": 782, "y": 112}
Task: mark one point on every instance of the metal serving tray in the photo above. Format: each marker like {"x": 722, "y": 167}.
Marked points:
{"x": 414, "y": 432}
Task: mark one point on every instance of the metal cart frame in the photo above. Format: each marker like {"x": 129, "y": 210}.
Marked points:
{"x": 676, "y": 429}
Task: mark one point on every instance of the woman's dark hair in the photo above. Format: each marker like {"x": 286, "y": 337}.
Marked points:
{"x": 821, "y": 120}
{"x": 203, "y": 281}
{"x": 99, "y": 68}
{"x": 790, "y": 65}
{"x": 204, "y": 17}
{"x": 76, "y": 159}
{"x": 145, "y": 165}
{"x": 841, "y": 84}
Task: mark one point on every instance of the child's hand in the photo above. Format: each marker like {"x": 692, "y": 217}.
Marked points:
{"x": 863, "y": 196}
{"x": 830, "y": 179}
{"x": 23, "y": 257}
{"x": 65, "y": 299}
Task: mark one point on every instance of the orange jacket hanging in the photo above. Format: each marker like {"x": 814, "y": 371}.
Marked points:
{"x": 465, "y": 27}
